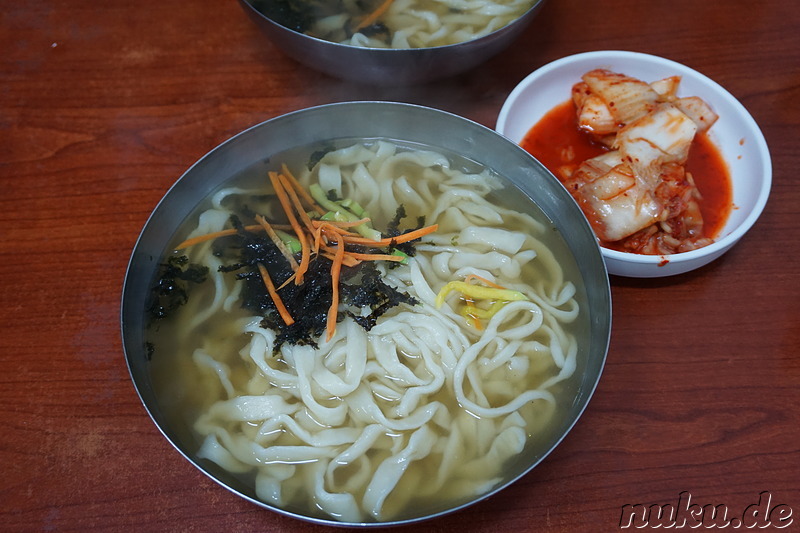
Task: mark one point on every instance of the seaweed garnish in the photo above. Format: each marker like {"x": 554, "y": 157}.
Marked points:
{"x": 317, "y": 155}
{"x": 393, "y": 230}
{"x": 360, "y": 287}
{"x": 171, "y": 289}
{"x": 363, "y": 294}
{"x": 248, "y": 249}
{"x": 371, "y": 291}
{"x": 307, "y": 302}
{"x": 299, "y": 313}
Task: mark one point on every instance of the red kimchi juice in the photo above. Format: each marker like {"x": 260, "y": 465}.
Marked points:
{"x": 560, "y": 146}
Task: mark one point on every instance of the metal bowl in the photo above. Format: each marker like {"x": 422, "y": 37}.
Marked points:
{"x": 387, "y": 66}
{"x": 401, "y": 122}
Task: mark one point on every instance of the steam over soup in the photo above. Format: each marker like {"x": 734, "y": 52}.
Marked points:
{"x": 372, "y": 332}
{"x": 395, "y": 23}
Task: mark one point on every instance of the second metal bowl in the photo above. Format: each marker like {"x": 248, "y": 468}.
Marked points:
{"x": 388, "y": 66}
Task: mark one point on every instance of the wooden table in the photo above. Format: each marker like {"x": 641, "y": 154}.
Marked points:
{"x": 103, "y": 105}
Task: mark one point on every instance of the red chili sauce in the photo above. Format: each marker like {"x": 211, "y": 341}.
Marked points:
{"x": 557, "y": 143}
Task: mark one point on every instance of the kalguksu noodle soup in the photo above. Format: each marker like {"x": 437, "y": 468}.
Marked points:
{"x": 433, "y": 398}
{"x": 395, "y": 23}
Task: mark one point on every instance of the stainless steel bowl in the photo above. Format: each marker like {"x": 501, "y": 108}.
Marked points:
{"x": 385, "y": 66}
{"x": 401, "y": 122}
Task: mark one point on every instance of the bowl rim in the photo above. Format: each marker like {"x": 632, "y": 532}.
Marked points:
{"x": 719, "y": 245}
{"x": 600, "y": 317}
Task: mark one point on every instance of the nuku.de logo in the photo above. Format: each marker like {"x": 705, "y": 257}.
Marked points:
{"x": 687, "y": 514}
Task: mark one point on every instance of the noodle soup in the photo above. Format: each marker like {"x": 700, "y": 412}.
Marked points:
{"x": 437, "y": 399}
{"x": 395, "y": 23}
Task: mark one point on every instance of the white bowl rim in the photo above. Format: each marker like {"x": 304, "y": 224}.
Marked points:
{"x": 723, "y": 243}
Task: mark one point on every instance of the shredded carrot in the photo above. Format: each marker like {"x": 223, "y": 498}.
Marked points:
{"x": 283, "y": 198}
{"x": 214, "y": 235}
{"x": 405, "y": 237}
{"x": 288, "y": 281}
{"x": 278, "y": 242}
{"x": 348, "y": 260}
{"x": 349, "y": 238}
{"x": 296, "y": 202}
{"x": 336, "y": 270}
{"x": 359, "y": 257}
{"x": 224, "y": 233}
{"x": 483, "y": 280}
{"x": 287, "y": 318}
{"x": 301, "y": 190}
{"x": 318, "y": 233}
{"x": 323, "y": 238}
{"x": 317, "y": 240}
{"x": 375, "y": 15}
{"x": 327, "y": 230}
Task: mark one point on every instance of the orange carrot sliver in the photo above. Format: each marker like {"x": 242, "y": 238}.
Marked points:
{"x": 278, "y": 242}
{"x": 347, "y": 261}
{"x": 336, "y": 270}
{"x": 300, "y": 190}
{"x": 362, "y": 256}
{"x": 288, "y": 281}
{"x": 214, "y": 235}
{"x": 349, "y": 238}
{"x": 405, "y": 237}
{"x": 320, "y": 232}
{"x": 483, "y": 280}
{"x": 224, "y": 233}
{"x": 286, "y": 203}
{"x": 296, "y": 202}
{"x": 317, "y": 240}
{"x": 285, "y": 315}
{"x": 375, "y": 15}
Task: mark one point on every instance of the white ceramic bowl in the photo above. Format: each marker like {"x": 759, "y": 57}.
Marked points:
{"x": 736, "y": 134}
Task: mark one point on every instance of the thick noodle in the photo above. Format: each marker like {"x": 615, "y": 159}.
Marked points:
{"x": 424, "y": 405}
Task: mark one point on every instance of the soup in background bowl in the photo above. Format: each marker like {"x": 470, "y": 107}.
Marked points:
{"x": 487, "y": 352}
{"x": 410, "y": 47}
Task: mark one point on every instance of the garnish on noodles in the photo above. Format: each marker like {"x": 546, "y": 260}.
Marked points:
{"x": 173, "y": 283}
{"x": 303, "y": 272}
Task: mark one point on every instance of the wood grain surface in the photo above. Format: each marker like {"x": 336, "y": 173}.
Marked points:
{"x": 103, "y": 105}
